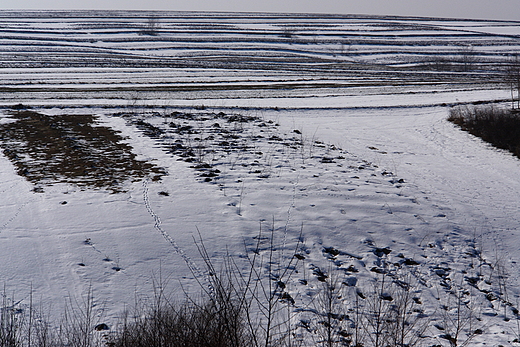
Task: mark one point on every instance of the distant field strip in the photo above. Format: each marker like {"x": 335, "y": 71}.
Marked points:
{"x": 140, "y": 55}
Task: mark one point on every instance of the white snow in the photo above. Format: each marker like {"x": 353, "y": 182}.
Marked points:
{"x": 455, "y": 190}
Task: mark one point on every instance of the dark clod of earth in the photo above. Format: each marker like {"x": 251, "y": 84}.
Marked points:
{"x": 380, "y": 252}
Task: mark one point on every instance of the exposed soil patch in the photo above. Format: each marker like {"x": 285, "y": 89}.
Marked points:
{"x": 71, "y": 149}
{"x": 212, "y": 140}
{"x": 233, "y": 150}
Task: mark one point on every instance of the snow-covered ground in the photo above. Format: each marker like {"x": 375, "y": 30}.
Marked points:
{"x": 357, "y": 161}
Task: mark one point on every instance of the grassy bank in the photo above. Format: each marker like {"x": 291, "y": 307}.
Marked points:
{"x": 499, "y": 127}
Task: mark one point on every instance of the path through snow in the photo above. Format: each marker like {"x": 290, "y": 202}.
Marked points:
{"x": 477, "y": 185}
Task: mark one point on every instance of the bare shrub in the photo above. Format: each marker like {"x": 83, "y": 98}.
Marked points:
{"x": 151, "y": 27}
{"x": 11, "y": 323}
{"x": 192, "y": 323}
{"x": 256, "y": 303}
{"x": 269, "y": 275}
{"x": 512, "y": 77}
{"x": 406, "y": 321}
{"x": 460, "y": 320}
{"x": 235, "y": 309}
{"x": 332, "y": 323}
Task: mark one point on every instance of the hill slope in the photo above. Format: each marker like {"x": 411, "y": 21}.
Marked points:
{"x": 326, "y": 133}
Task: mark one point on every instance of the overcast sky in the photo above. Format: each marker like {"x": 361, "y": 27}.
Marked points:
{"x": 474, "y": 9}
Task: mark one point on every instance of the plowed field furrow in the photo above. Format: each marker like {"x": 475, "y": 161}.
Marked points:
{"x": 94, "y": 55}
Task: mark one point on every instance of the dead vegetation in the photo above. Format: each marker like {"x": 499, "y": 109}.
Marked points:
{"x": 71, "y": 149}
{"x": 264, "y": 305}
{"x": 499, "y": 127}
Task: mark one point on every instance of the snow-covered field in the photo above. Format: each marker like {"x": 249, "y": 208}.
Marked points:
{"x": 342, "y": 137}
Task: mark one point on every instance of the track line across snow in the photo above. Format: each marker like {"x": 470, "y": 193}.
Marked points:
{"x": 14, "y": 216}
{"x": 197, "y": 272}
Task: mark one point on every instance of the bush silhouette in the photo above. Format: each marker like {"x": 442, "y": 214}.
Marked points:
{"x": 499, "y": 127}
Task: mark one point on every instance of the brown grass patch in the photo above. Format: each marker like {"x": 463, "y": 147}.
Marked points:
{"x": 71, "y": 149}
